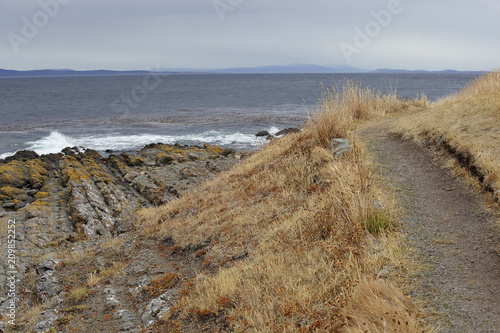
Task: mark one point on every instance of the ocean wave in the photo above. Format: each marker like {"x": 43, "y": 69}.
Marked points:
{"x": 56, "y": 141}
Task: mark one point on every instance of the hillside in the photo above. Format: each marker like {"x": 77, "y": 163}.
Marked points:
{"x": 293, "y": 238}
{"x": 302, "y": 236}
{"x": 285, "y": 236}
{"x": 466, "y": 125}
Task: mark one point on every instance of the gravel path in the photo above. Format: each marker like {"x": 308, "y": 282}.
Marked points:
{"x": 453, "y": 235}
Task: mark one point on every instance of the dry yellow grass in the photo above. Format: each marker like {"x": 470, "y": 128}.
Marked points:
{"x": 285, "y": 228}
{"x": 377, "y": 306}
{"x": 466, "y": 124}
{"x": 341, "y": 109}
{"x": 28, "y": 315}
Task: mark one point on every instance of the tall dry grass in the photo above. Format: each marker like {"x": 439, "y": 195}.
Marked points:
{"x": 286, "y": 230}
{"x": 341, "y": 109}
{"x": 468, "y": 125}
{"x": 488, "y": 84}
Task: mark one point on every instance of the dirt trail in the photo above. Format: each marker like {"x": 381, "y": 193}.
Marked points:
{"x": 451, "y": 232}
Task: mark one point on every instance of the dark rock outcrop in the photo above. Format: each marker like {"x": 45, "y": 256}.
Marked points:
{"x": 75, "y": 201}
{"x": 23, "y": 155}
{"x": 288, "y": 131}
{"x": 262, "y": 133}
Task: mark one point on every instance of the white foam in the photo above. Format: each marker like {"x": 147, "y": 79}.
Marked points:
{"x": 56, "y": 141}
{"x": 53, "y": 143}
{"x": 273, "y": 130}
{"x": 4, "y": 155}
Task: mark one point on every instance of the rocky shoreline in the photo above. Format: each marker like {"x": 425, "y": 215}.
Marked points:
{"x": 78, "y": 199}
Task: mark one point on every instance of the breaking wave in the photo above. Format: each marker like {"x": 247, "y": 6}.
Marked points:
{"x": 56, "y": 141}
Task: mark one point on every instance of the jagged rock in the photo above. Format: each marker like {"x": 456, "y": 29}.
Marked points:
{"x": 38, "y": 173}
{"x": 288, "y": 131}
{"x": 262, "y": 133}
{"x": 228, "y": 151}
{"x": 194, "y": 156}
{"x": 145, "y": 281}
{"x": 212, "y": 167}
{"x": 165, "y": 159}
{"x": 136, "y": 161}
{"x": 32, "y": 192}
{"x": 46, "y": 321}
{"x": 52, "y": 160}
{"x": 188, "y": 172}
{"x": 93, "y": 154}
{"x": 47, "y": 285}
{"x": 13, "y": 194}
{"x": 157, "y": 307}
{"x": 9, "y": 204}
{"x": 216, "y": 150}
{"x": 137, "y": 267}
{"x": 13, "y": 174}
{"x": 47, "y": 265}
{"x": 91, "y": 196}
{"x": 118, "y": 163}
{"x": 39, "y": 239}
{"x": 70, "y": 151}
{"x": 130, "y": 176}
{"x": 111, "y": 299}
{"x": 126, "y": 319}
{"x": 23, "y": 155}
{"x": 340, "y": 146}
{"x": 152, "y": 146}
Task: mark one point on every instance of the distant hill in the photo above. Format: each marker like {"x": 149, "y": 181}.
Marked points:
{"x": 292, "y": 69}
{"x": 286, "y": 69}
{"x": 64, "y": 72}
{"x": 446, "y": 71}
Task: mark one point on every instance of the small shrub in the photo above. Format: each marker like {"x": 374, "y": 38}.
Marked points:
{"x": 79, "y": 292}
{"x": 64, "y": 320}
{"x": 376, "y": 222}
{"x": 76, "y": 308}
{"x": 160, "y": 284}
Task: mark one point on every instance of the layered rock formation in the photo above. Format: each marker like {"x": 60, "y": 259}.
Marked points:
{"x": 76, "y": 199}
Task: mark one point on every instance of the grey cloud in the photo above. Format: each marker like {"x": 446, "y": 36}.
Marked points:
{"x": 132, "y": 34}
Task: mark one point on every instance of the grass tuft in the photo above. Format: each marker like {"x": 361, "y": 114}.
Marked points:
{"x": 377, "y": 222}
{"x": 79, "y": 292}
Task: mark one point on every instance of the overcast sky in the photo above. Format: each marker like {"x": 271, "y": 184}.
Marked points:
{"x": 141, "y": 34}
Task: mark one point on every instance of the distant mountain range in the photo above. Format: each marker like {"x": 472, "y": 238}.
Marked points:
{"x": 286, "y": 69}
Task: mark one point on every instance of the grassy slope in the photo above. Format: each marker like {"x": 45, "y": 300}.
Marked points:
{"x": 468, "y": 125}
{"x": 284, "y": 235}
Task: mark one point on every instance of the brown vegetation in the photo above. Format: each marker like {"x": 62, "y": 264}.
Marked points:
{"x": 467, "y": 125}
{"x": 284, "y": 234}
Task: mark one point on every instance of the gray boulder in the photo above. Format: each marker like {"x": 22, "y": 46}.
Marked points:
{"x": 157, "y": 307}
{"x": 47, "y": 285}
{"x": 262, "y": 133}
{"x": 340, "y": 146}
{"x": 46, "y": 321}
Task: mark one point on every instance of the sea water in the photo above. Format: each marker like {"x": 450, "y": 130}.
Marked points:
{"x": 124, "y": 113}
